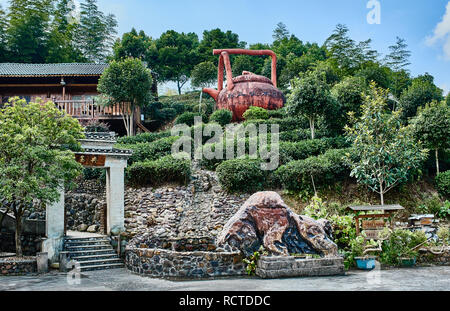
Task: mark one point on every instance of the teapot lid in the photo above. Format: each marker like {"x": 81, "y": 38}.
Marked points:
{"x": 251, "y": 77}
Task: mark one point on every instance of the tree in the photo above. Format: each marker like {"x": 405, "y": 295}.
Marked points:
{"x": 61, "y": 47}
{"x": 447, "y": 100}
{"x": 3, "y": 41}
{"x": 280, "y": 32}
{"x": 349, "y": 94}
{"x": 312, "y": 98}
{"x": 203, "y": 74}
{"x": 177, "y": 56}
{"x": 385, "y": 153}
{"x": 432, "y": 127}
{"x": 27, "y": 33}
{"x": 372, "y": 71}
{"x": 217, "y": 39}
{"x": 398, "y": 58}
{"x": 35, "y": 155}
{"x": 345, "y": 53}
{"x": 95, "y": 34}
{"x": 126, "y": 82}
{"x": 422, "y": 91}
{"x": 141, "y": 46}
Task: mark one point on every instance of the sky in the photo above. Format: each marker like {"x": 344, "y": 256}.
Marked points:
{"x": 424, "y": 24}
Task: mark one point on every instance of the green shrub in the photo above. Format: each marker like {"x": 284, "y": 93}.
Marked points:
{"x": 164, "y": 170}
{"x": 286, "y": 124}
{"x": 326, "y": 169}
{"x": 400, "y": 243}
{"x": 242, "y": 175}
{"x": 277, "y": 113}
{"x": 300, "y": 134}
{"x": 92, "y": 173}
{"x": 292, "y": 151}
{"x": 256, "y": 113}
{"x": 188, "y": 118}
{"x": 443, "y": 183}
{"x": 222, "y": 116}
{"x": 151, "y": 151}
{"x": 143, "y": 138}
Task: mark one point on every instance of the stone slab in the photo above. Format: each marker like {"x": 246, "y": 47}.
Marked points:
{"x": 283, "y": 267}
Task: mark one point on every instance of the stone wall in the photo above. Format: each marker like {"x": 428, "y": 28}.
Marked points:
{"x": 427, "y": 257}
{"x": 183, "y": 258}
{"x": 31, "y": 243}
{"x": 85, "y": 212}
{"x": 17, "y": 266}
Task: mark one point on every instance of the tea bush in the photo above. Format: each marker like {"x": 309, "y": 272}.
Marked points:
{"x": 222, "y": 116}
{"x": 286, "y": 124}
{"x": 443, "y": 183}
{"x": 242, "y": 175}
{"x": 188, "y": 118}
{"x": 164, "y": 170}
{"x": 143, "y": 138}
{"x": 256, "y": 113}
{"x": 151, "y": 151}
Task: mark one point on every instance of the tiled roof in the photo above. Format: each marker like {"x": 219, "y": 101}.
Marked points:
{"x": 65, "y": 69}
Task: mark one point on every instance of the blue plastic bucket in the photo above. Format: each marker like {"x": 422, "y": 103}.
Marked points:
{"x": 365, "y": 263}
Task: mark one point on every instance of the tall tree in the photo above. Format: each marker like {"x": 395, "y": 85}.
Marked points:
{"x": 422, "y": 91}
{"x": 3, "y": 41}
{"x": 28, "y": 30}
{"x": 217, "y": 39}
{"x": 432, "y": 127}
{"x": 61, "y": 46}
{"x": 312, "y": 98}
{"x": 398, "y": 58}
{"x": 95, "y": 35}
{"x": 385, "y": 152}
{"x": 127, "y": 82}
{"x": 34, "y": 155}
{"x": 280, "y": 32}
{"x": 177, "y": 56}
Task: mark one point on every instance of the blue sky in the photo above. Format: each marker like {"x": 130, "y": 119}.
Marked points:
{"x": 254, "y": 21}
{"x": 425, "y": 24}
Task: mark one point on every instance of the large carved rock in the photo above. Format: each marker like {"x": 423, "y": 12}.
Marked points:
{"x": 266, "y": 220}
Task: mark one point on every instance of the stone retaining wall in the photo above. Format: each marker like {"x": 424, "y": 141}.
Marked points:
{"x": 17, "y": 266}
{"x": 31, "y": 243}
{"x": 436, "y": 259}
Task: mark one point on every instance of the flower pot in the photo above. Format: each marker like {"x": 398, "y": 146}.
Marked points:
{"x": 365, "y": 263}
{"x": 407, "y": 261}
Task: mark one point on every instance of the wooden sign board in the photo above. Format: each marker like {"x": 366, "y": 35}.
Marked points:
{"x": 373, "y": 224}
{"x": 372, "y": 234}
{"x": 91, "y": 160}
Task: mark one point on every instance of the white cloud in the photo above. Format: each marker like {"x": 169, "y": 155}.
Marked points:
{"x": 442, "y": 33}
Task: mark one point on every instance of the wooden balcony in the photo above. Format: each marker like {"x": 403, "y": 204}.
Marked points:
{"x": 89, "y": 109}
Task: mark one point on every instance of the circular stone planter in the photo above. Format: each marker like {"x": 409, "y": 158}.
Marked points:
{"x": 183, "y": 258}
{"x": 365, "y": 263}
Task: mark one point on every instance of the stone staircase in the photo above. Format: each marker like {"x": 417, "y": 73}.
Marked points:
{"x": 92, "y": 253}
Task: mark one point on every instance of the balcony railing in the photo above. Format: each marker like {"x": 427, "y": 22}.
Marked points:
{"x": 89, "y": 109}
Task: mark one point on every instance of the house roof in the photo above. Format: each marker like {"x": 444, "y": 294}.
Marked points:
{"x": 45, "y": 70}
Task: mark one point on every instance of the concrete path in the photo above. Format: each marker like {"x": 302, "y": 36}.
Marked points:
{"x": 406, "y": 279}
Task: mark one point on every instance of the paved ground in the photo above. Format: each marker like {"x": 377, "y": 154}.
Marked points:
{"x": 406, "y": 279}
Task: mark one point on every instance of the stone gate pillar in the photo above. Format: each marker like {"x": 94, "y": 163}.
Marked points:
{"x": 54, "y": 228}
{"x": 115, "y": 195}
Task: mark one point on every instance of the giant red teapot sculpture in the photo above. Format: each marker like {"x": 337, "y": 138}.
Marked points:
{"x": 248, "y": 89}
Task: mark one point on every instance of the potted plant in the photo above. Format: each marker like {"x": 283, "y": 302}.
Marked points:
{"x": 360, "y": 249}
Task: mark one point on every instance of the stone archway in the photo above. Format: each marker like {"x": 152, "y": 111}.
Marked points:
{"x": 98, "y": 153}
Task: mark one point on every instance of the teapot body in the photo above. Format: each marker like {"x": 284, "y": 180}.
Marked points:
{"x": 250, "y": 90}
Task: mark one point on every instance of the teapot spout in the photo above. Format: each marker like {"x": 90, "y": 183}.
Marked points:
{"x": 212, "y": 92}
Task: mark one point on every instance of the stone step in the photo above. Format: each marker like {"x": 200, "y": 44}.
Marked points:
{"x": 88, "y": 242}
{"x": 88, "y": 247}
{"x": 99, "y": 262}
{"x": 70, "y": 239}
{"x": 94, "y": 257}
{"x": 94, "y": 252}
{"x": 102, "y": 267}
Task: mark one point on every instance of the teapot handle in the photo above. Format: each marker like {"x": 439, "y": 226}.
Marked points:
{"x": 225, "y": 60}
